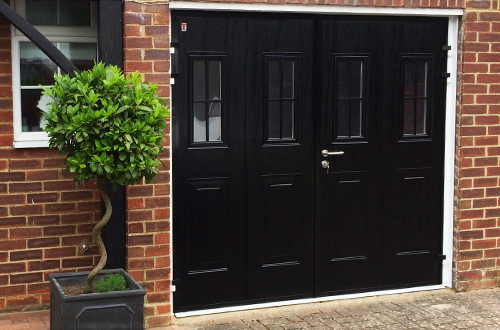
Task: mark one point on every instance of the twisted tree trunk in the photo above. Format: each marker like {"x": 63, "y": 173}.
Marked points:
{"x": 97, "y": 237}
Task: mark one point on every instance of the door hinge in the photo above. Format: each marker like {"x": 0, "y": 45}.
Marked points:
{"x": 441, "y": 257}
{"x": 445, "y": 75}
{"x": 446, "y": 48}
{"x": 174, "y": 65}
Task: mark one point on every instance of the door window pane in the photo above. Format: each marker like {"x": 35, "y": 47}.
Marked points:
{"x": 207, "y": 100}
{"x": 349, "y": 97}
{"x": 415, "y": 95}
{"x": 214, "y": 122}
{"x": 288, "y": 120}
{"x": 281, "y": 99}
{"x": 274, "y": 119}
{"x": 199, "y": 81}
{"x": 200, "y": 122}
{"x": 288, "y": 79}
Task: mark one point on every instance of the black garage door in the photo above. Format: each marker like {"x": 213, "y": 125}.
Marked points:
{"x": 307, "y": 155}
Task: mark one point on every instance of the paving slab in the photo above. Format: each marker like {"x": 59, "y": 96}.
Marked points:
{"x": 438, "y": 309}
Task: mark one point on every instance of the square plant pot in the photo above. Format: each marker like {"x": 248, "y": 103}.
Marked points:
{"x": 116, "y": 310}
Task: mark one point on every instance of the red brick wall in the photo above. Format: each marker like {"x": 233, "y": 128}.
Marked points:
{"x": 44, "y": 217}
{"x": 41, "y": 237}
{"x": 146, "y": 31}
{"x": 477, "y": 216}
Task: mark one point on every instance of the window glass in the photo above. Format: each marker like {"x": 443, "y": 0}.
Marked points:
{"x": 41, "y": 12}
{"x": 207, "y": 100}
{"x": 34, "y": 105}
{"x": 62, "y": 13}
{"x": 281, "y": 108}
{"x": 75, "y": 13}
{"x": 415, "y": 96}
{"x": 349, "y": 96}
{"x": 83, "y": 55}
{"x": 36, "y": 67}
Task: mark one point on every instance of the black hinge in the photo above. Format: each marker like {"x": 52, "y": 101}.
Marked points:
{"x": 446, "y": 48}
{"x": 441, "y": 257}
{"x": 174, "y": 64}
{"x": 445, "y": 75}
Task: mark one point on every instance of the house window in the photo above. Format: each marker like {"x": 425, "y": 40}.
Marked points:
{"x": 71, "y": 26}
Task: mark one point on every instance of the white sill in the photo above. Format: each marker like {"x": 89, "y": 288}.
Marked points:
{"x": 31, "y": 144}
{"x": 31, "y": 140}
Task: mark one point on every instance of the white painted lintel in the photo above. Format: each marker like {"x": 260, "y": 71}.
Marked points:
{"x": 315, "y": 9}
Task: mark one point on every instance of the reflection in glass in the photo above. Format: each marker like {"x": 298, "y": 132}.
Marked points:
{"x": 33, "y": 119}
{"x": 59, "y": 13}
{"x": 415, "y": 96}
{"x": 274, "y": 80}
{"x": 207, "y": 113}
{"x": 214, "y": 85}
{"x": 408, "y": 121}
{"x": 214, "y": 121}
{"x": 36, "y": 67}
{"x": 199, "y": 81}
{"x": 349, "y": 100}
{"x": 356, "y": 114}
{"x": 288, "y": 120}
{"x": 422, "y": 71}
{"x": 274, "y": 119}
{"x": 82, "y": 55}
{"x": 75, "y": 13}
{"x": 343, "y": 118}
{"x": 200, "y": 122}
{"x": 41, "y": 12}
{"x": 280, "y": 99}
{"x": 409, "y": 79}
{"x": 288, "y": 79}
{"x": 420, "y": 116}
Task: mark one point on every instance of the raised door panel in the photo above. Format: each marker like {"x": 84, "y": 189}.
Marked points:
{"x": 348, "y": 252}
{"x": 280, "y": 157}
{"x": 411, "y": 233}
{"x": 414, "y": 150}
{"x": 348, "y": 231}
{"x": 209, "y": 195}
{"x": 208, "y": 219}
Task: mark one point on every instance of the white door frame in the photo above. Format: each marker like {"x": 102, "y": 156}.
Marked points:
{"x": 453, "y": 16}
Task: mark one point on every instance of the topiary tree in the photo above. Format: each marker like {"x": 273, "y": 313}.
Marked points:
{"x": 110, "y": 126}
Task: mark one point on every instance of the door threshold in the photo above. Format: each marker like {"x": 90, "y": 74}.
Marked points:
{"x": 306, "y": 301}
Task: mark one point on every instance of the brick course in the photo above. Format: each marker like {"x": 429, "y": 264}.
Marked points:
{"x": 32, "y": 187}
{"x": 148, "y": 205}
{"x": 476, "y": 209}
{"x": 44, "y": 216}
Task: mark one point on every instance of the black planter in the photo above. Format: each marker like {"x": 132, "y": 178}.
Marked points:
{"x": 117, "y": 310}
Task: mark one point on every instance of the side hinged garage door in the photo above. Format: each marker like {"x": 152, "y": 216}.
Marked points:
{"x": 307, "y": 155}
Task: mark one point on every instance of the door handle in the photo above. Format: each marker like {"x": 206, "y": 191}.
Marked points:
{"x": 327, "y": 153}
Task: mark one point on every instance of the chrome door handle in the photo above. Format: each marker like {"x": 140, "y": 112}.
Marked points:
{"x": 327, "y": 153}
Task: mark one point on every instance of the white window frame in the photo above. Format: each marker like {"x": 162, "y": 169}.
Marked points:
{"x": 54, "y": 34}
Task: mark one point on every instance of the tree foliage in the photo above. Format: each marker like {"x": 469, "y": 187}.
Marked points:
{"x": 109, "y": 125}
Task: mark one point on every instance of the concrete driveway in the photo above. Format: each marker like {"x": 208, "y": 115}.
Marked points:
{"x": 439, "y": 309}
